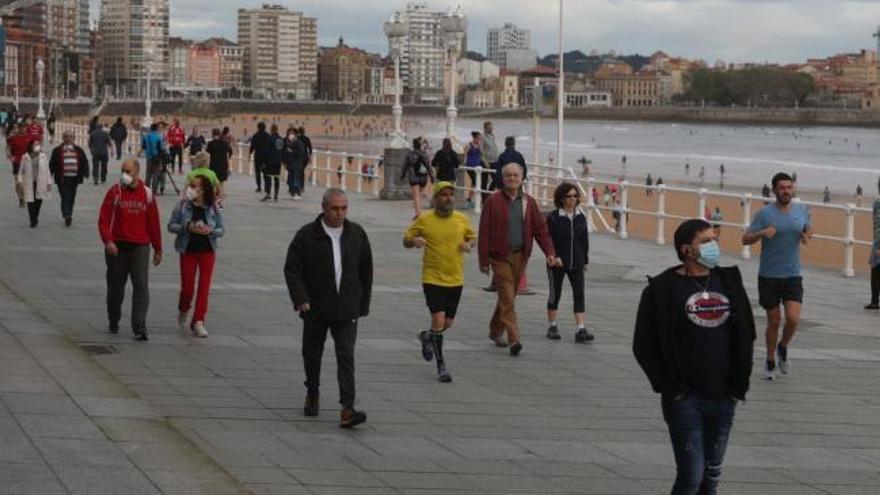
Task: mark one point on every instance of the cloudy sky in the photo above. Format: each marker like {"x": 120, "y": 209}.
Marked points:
{"x": 731, "y": 30}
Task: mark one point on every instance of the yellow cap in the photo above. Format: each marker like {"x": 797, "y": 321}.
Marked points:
{"x": 439, "y": 186}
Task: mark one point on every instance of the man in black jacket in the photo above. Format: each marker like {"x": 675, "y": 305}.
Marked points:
{"x": 329, "y": 274}
{"x": 261, "y": 143}
{"x": 510, "y": 155}
{"x": 69, "y": 166}
{"x": 694, "y": 337}
{"x": 118, "y": 133}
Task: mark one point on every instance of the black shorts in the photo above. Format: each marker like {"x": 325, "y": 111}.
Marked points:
{"x": 442, "y": 299}
{"x": 772, "y": 291}
{"x": 418, "y": 181}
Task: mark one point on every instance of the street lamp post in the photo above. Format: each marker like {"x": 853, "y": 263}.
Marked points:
{"x": 560, "y": 113}
{"x": 41, "y": 66}
{"x": 148, "y": 103}
{"x": 396, "y": 31}
{"x": 454, "y": 26}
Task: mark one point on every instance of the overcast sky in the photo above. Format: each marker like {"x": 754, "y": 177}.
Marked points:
{"x": 731, "y": 30}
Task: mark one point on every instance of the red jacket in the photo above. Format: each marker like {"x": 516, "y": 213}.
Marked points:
{"x": 35, "y": 132}
{"x": 176, "y": 136}
{"x": 17, "y": 146}
{"x": 130, "y": 215}
{"x": 492, "y": 240}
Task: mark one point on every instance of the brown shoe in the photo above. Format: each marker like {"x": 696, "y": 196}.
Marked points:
{"x": 499, "y": 341}
{"x": 312, "y": 405}
{"x": 349, "y": 418}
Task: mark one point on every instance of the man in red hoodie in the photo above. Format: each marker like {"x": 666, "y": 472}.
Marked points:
{"x": 176, "y": 138}
{"x": 34, "y": 130}
{"x": 510, "y": 222}
{"x": 16, "y": 146}
{"x": 128, "y": 224}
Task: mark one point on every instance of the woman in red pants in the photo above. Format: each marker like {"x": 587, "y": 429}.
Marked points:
{"x": 198, "y": 223}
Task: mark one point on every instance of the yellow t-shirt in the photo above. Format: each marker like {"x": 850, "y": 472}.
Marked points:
{"x": 443, "y": 261}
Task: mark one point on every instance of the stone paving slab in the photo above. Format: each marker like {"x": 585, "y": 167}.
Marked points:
{"x": 562, "y": 418}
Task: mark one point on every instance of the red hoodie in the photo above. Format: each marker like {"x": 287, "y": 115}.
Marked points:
{"x": 130, "y": 215}
{"x": 35, "y": 131}
{"x": 17, "y": 146}
{"x": 176, "y": 136}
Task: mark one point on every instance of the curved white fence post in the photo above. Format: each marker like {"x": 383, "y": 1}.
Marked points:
{"x": 359, "y": 165}
{"x": 251, "y": 165}
{"x": 375, "y": 180}
{"x": 343, "y": 179}
{"x": 849, "y": 241}
{"x": 661, "y": 214}
{"x": 240, "y": 158}
{"x": 328, "y": 170}
{"x": 478, "y": 197}
{"x": 747, "y": 220}
{"x": 701, "y": 204}
{"x": 623, "y": 208}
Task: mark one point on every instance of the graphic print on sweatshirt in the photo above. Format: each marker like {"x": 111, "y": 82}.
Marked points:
{"x": 708, "y": 309}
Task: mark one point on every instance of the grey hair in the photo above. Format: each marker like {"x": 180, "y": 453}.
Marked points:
{"x": 330, "y": 193}
{"x": 514, "y": 164}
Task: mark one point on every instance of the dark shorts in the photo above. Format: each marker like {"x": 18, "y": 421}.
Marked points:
{"x": 442, "y": 299}
{"x": 418, "y": 181}
{"x": 773, "y": 291}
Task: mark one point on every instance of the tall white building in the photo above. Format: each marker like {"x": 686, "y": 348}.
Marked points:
{"x": 280, "y": 51}
{"x": 178, "y": 61}
{"x": 509, "y": 47}
{"x": 134, "y": 34}
{"x": 423, "y": 58}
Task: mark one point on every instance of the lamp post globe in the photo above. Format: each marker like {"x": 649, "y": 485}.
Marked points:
{"x": 454, "y": 25}
{"x": 40, "y": 66}
{"x": 396, "y": 31}
{"x": 148, "y": 103}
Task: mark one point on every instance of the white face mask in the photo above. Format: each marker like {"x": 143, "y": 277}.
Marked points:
{"x": 125, "y": 179}
{"x": 191, "y": 193}
{"x": 37, "y": 149}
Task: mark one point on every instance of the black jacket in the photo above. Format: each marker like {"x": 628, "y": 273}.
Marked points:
{"x": 56, "y": 167}
{"x": 657, "y": 346}
{"x": 261, "y": 146}
{"x": 571, "y": 240}
{"x": 294, "y": 153}
{"x": 311, "y": 277}
{"x": 510, "y": 155}
{"x": 118, "y": 132}
{"x": 445, "y": 162}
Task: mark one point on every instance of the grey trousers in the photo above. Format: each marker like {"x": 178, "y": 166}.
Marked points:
{"x": 131, "y": 261}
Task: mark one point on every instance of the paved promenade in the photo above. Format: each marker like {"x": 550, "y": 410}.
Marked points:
{"x": 83, "y": 411}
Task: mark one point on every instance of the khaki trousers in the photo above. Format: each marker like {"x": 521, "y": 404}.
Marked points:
{"x": 507, "y": 273}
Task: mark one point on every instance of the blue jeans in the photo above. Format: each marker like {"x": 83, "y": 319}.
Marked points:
{"x": 67, "y": 191}
{"x": 699, "y": 429}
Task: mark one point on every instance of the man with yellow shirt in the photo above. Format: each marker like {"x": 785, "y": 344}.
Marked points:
{"x": 446, "y": 235}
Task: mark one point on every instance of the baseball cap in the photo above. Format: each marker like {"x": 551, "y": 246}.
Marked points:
{"x": 439, "y": 186}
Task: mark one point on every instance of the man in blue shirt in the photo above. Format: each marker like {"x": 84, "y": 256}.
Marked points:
{"x": 152, "y": 146}
{"x": 781, "y": 227}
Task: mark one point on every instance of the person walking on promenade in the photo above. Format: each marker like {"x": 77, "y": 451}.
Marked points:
{"x": 509, "y": 155}
{"x": 568, "y": 229}
{"x": 694, "y": 337}
{"x": 69, "y": 166}
{"x": 416, "y": 166}
{"x": 272, "y": 165}
{"x": 99, "y": 146}
{"x": 153, "y": 148}
{"x": 294, "y": 157}
{"x": 329, "y": 275}
{"x": 118, "y": 133}
{"x": 220, "y": 153}
{"x": 176, "y": 138}
{"x": 261, "y": 144}
{"x": 34, "y": 129}
{"x": 701, "y": 175}
{"x": 17, "y": 144}
{"x": 198, "y": 223}
{"x": 195, "y": 143}
{"x": 128, "y": 224}
{"x": 201, "y": 167}
{"x": 473, "y": 160}
{"x": 37, "y": 180}
{"x": 687, "y": 166}
{"x": 489, "y": 154}
{"x": 874, "y": 259}
{"x": 781, "y": 227}
{"x": 721, "y": 171}
{"x": 859, "y": 195}
{"x": 510, "y": 222}
{"x": 446, "y": 162}
{"x": 50, "y": 127}
{"x": 649, "y": 181}
{"x": 826, "y": 195}
{"x": 446, "y": 235}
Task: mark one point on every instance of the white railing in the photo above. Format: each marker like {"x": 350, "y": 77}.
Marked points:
{"x": 333, "y": 168}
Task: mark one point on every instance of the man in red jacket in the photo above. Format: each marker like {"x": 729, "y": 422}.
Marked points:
{"x": 510, "y": 222}
{"x": 176, "y": 138}
{"x": 128, "y": 224}
{"x": 34, "y": 130}
{"x": 16, "y": 146}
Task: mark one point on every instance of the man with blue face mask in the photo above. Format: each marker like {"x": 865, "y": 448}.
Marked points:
{"x": 693, "y": 338}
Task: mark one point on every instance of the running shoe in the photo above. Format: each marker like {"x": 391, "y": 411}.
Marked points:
{"x": 582, "y": 336}
{"x": 769, "y": 370}
{"x": 443, "y": 375}
{"x": 553, "y": 332}
{"x": 515, "y": 349}
{"x": 782, "y": 358}
{"x": 427, "y": 348}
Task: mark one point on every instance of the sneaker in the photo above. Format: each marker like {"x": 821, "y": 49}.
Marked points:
{"x": 141, "y": 336}
{"x": 443, "y": 375}
{"x": 181, "y": 320}
{"x": 68, "y": 221}
{"x": 491, "y": 288}
{"x": 515, "y": 349}
{"x": 265, "y": 198}
{"x": 349, "y": 417}
{"x": 525, "y": 292}
{"x": 553, "y": 332}
{"x": 312, "y": 406}
{"x": 582, "y": 336}
{"x": 499, "y": 341}
{"x": 199, "y": 329}
{"x": 872, "y": 306}
{"x": 258, "y": 190}
{"x": 782, "y": 358}
{"x": 427, "y": 348}
{"x": 113, "y": 328}
{"x": 769, "y": 370}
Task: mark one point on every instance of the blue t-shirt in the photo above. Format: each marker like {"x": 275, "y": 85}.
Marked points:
{"x": 781, "y": 255}
{"x": 152, "y": 145}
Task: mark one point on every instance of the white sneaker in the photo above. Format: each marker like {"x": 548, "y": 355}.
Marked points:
{"x": 181, "y": 320}
{"x": 782, "y": 359}
{"x": 200, "y": 330}
{"x": 769, "y": 371}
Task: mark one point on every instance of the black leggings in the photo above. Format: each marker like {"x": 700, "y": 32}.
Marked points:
{"x": 875, "y": 285}
{"x": 576, "y": 278}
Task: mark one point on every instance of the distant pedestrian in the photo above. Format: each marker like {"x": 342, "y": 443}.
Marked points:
{"x": 694, "y": 336}
{"x": 272, "y": 164}
{"x": 446, "y": 236}
{"x": 37, "y": 180}
{"x": 307, "y": 145}
{"x": 474, "y": 160}
{"x": 99, "y": 145}
{"x": 50, "y": 126}
{"x": 195, "y": 143}
{"x": 826, "y": 195}
{"x": 446, "y": 162}
{"x": 220, "y": 153}
{"x": 659, "y": 181}
{"x": 765, "y": 193}
{"x": 416, "y": 166}
{"x": 859, "y": 193}
{"x": 649, "y": 182}
{"x": 717, "y": 218}
{"x": 331, "y": 303}
{"x": 153, "y": 148}
{"x": 568, "y": 229}
{"x": 489, "y": 149}
{"x": 509, "y": 155}
{"x": 687, "y": 166}
{"x": 874, "y": 259}
{"x": 69, "y": 167}
{"x": 201, "y": 167}
{"x": 702, "y": 174}
{"x": 118, "y": 133}
{"x": 128, "y": 223}
{"x": 176, "y": 138}
{"x": 294, "y": 158}
{"x": 17, "y": 145}
{"x": 260, "y": 149}
{"x": 197, "y": 223}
